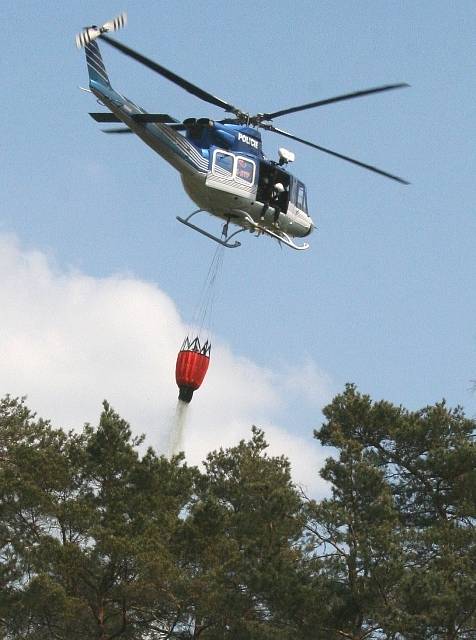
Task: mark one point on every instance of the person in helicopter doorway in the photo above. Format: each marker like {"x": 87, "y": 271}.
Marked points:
{"x": 273, "y": 201}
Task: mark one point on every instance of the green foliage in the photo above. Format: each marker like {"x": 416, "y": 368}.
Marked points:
{"x": 353, "y": 536}
{"x": 241, "y": 531}
{"x": 401, "y": 520}
{"x": 87, "y": 529}
{"x": 101, "y": 538}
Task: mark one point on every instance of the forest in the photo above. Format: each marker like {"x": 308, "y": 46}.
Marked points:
{"x": 102, "y": 537}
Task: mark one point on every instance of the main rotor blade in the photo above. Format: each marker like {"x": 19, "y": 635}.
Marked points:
{"x": 320, "y": 103}
{"x": 334, "y": 153}
{"x": 170, "y": 75}
{"x": 163, "y": 118}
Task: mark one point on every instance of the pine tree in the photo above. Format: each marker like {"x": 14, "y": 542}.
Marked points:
{"x": 432, "y": 456}
{"x": 243, "y": 557}
{"x": 91, "y": 523}
{"x": 395, "y": 546}
{"x": 353, "y": 535}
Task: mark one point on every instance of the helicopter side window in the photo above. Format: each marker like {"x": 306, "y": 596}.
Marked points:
{"x": 301, "y": 201}
{"x": 223, "y": 163}
{"x": 293, "y": 190}
{"x": 245, "y": 170}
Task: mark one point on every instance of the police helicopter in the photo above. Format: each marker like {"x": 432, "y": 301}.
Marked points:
{"x": 221, "y": 163}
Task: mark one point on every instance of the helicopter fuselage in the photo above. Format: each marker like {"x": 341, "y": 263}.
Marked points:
{"x": 223, "y": 170}
{"x": 221, "y": 163}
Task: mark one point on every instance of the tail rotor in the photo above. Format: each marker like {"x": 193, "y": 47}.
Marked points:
{"x": 91, "y": 33}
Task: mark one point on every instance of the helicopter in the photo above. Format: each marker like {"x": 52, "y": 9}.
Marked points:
{"x": 221, "y": 162}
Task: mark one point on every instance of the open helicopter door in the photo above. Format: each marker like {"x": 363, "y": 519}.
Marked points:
{"x": 232, "y": 173}
{"x": 269, "y": 175}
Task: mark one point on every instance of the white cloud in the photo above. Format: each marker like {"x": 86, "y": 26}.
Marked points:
{"x": 308, "y": 382}
{"x": 68, "y": 341}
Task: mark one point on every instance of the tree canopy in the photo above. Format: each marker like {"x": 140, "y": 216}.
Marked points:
{"x": 101, "y": 537}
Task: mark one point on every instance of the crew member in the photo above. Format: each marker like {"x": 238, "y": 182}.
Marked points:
{"x": 271, "y": 198}
{"x": 278, "y": 189}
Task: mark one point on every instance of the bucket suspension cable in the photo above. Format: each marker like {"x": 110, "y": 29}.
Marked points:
{"x": 202, "y": 318}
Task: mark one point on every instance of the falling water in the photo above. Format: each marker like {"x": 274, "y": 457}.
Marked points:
{"x": 178, "y": 427}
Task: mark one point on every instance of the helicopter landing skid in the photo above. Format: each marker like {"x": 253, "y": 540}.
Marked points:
{"x": 281, "y": 236}
{"x": 225, "y": 241}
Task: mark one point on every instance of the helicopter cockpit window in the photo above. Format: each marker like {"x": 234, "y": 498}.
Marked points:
{"x": 301, "y": 201}
{"x": 245, "y": 170}
{"x": 223, "y": 163}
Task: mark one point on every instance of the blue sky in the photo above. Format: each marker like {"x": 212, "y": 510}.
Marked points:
{"x": 384, "y": 298}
